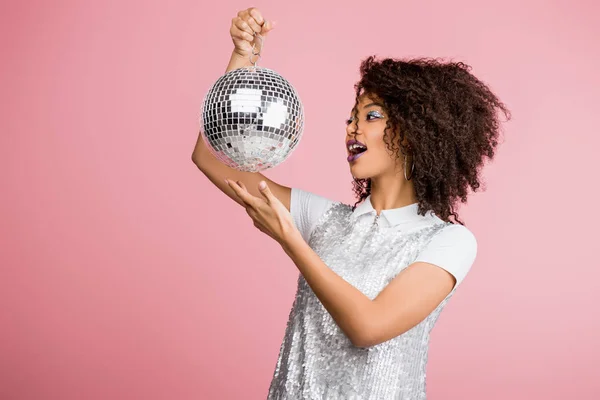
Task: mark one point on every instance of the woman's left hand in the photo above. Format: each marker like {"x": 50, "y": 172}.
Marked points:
{"x": 270, "y": 216}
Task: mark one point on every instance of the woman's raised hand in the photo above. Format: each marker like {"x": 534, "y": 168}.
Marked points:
{"x": 244, "y": 26}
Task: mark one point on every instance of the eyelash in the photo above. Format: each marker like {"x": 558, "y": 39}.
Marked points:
{"x": 372, "y": 113}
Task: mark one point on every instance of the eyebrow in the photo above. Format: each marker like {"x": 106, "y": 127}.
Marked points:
{"x": 373, "y": 104}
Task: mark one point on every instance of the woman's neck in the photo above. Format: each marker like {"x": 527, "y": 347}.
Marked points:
{"x": 391, "y": 192}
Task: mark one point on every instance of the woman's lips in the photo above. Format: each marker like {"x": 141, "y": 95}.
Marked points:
{"x": 353, "y": 157}
{"x": 352, "y": 146}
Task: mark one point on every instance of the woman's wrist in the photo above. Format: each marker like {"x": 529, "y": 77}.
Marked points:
{"x": 291, "y": 240}
{"x": 237, "y": 60}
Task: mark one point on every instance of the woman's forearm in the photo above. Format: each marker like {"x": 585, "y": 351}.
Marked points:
{"x": 348, "y": 306}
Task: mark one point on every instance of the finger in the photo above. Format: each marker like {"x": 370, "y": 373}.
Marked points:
{"x": 253, "y": 24}
{"x": 242, "y": 194}
{"x": 254, "y": 198}
{"x": 268, "y": 26}
{"x": 236, "y": 189}
{"x": 254, "y": 13}
{"x": 243, "y": 26}
{"x": 240, "y": 34}
{"x": 266, "y": 192}
{"x": 241, "y": 184}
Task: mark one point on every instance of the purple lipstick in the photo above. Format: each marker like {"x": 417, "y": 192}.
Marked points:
{"x": 355, "y": 149}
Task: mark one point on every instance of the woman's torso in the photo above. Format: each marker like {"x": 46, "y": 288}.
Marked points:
{"x": 317, "y": 360}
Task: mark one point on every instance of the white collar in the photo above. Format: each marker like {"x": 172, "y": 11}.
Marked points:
{"x": 394, "y": 216}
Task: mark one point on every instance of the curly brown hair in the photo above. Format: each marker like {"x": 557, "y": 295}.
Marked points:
{"x": 440, "y": 115}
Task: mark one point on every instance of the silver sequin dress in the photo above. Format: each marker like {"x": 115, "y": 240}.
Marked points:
{"x": 316, "y": 359}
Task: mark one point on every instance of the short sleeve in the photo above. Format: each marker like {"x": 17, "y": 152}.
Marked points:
{"x": 453, "y": 249}
{"x": 306, "y": 208}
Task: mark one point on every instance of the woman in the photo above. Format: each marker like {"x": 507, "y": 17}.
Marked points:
{"x": 375, "y": 276}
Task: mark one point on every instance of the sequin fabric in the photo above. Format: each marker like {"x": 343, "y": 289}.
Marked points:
{"x": 316, "y": 359}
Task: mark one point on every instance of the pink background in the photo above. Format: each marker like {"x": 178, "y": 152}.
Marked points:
{"x": 126, "y": 275}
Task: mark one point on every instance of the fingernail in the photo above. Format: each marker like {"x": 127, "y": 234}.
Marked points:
{"x": 226, "y": 181}
{"x": 262, "y": 185}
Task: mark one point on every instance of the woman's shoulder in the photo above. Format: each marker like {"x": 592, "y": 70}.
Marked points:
{"x": 453, "y": 248}
{"x": 455, "y": 233}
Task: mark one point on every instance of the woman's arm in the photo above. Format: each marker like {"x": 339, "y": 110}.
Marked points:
{"x": 217, "y": 172}
{"x": 406, "y": 301}
{"x": 243, "y": 26}
{"x": 411, "y": 296}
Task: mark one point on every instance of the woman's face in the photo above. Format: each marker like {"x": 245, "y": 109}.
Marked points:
{"x": 368, "y": 130}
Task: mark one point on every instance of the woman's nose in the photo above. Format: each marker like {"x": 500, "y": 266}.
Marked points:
{"x": 351, "y": 134}
{"x": 352, "y": 128}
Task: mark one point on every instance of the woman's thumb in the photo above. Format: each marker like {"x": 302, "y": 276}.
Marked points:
{"x": 268, "y": 26}
{"x": 264, "y": 189}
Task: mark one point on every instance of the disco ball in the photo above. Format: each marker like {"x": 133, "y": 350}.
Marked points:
{"x": 252, "y": 119}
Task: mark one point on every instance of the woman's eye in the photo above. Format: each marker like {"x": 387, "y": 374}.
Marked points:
{"x": 374, "y": 114}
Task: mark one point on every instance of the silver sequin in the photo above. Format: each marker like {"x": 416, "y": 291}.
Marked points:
{"x": 316, "y": 359}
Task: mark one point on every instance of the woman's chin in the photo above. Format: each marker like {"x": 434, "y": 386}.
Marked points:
{"x": 357, "y": 174}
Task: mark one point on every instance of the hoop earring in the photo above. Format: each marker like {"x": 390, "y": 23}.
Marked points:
{"x": 411, "y": 170}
